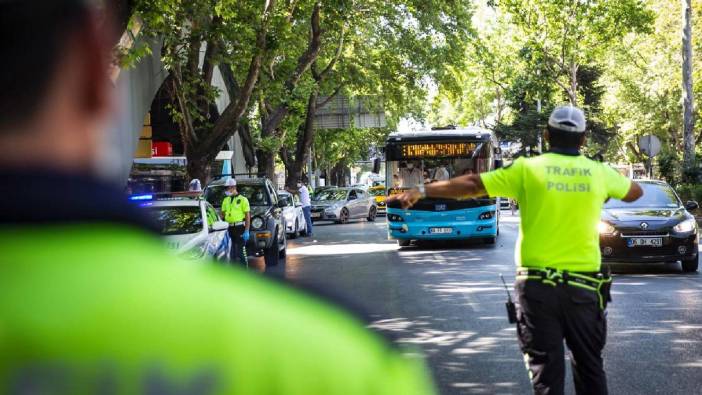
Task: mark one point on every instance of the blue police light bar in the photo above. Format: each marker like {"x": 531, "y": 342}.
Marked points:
{"x": 141, "y": 197}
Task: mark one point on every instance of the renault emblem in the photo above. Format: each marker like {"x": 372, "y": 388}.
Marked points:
{"x": 644, "y": 225}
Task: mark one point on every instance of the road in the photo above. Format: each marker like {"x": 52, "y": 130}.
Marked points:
{"x": 448, "y": 301}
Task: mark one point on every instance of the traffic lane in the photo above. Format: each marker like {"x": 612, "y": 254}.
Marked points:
{"x": 448, "y": 301}
{"x": 445, "y": 299}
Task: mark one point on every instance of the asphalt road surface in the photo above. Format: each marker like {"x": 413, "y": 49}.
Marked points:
{"x": 448, "y": 301}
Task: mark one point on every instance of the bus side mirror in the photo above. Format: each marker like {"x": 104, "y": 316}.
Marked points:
{"x": 376, "y": 165}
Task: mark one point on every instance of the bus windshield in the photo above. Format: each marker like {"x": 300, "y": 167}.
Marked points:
{"x": 407, "y": 173}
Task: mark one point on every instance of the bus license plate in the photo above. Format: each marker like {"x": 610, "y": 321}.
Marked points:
{"x": 440, "y": 231}
{"x": 645, "y": 242}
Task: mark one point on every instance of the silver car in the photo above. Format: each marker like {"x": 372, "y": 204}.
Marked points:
{"x": 343, "y": 204}
{"x": 295, "y": 224}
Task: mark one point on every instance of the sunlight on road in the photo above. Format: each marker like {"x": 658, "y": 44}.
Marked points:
{"x": 342, "y": 249}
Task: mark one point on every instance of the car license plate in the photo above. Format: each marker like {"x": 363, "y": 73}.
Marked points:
{"x": 440, "y": 231}
{"x": 315, "y": 215}
{"x": 645, "y": 242}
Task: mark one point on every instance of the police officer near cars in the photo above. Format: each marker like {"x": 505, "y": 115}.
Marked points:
{"x": 562, "y": 291}
{"x": 237, "y": 212}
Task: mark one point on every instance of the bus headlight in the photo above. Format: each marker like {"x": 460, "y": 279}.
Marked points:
{"x": 685, "y": 226}
{"x": 605, "y": 228}
{"x": 395, "y": 218}
{"x": 486, "y": 215}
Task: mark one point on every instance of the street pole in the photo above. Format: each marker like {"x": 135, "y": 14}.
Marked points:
{"x": 309, "y": 169}
{"x": 538, "y": 137}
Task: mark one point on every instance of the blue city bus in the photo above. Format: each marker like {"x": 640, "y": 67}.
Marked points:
{"x": 433, "y": 155}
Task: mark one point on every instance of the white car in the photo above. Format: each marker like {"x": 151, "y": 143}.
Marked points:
{"x": 191, "y": 227}
{"x": 295, "y": 224}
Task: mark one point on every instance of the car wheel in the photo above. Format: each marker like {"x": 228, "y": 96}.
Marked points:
{"x": 690, "y": 265}
{"x": 343, "y": 216}
{"x": 284, "y": 251}
{"x": 403, "y": 243}
{"x": 271, "y": 255}
{"x": 490, "y": 240}
{"x": 371, "y": 214}
{"x": 296, "y": 232}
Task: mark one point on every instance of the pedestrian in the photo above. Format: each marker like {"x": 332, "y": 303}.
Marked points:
{"x": 195, "y": 185}
{"x": 237, "y": 212}
{"x": 562, "y": 291}
{"x": 304, "y": 193}
{"x": 512, "y": 205}
{"x": 90, "y": 299}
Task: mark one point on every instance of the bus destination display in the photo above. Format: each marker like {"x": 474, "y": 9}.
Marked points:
{"x": 437, "y": 150}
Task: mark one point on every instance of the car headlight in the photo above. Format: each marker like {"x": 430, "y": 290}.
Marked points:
{"x": 686, "y": 226}
{"x": 257, "y": 223}
{"x": 605, "y": 228}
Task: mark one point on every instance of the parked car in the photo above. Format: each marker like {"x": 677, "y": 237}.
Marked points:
{"x": 504, "y": 203}
{"x": 190, "y": 226}
{"x": 295, "y": 224}
{"x": 321, "y": 189}
{"x": 268, "y": 237}
{"x": 343, "y": 204}
{"x": 378, "y": 193}
{"x": 655, "y": 228}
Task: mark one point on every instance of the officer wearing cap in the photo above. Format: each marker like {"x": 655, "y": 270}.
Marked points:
{"x": 561, "y": 289}
{"x": 237, "y": 213}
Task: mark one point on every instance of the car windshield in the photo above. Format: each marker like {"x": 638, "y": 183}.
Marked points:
{"x": 177, "y": 220}
{"x": 655, "y": 196}
{"x": 331, "y": 194}
{"x": 285, "y": 200}
{"x": 255, "y": 193}
{"x": 377, "y": 192}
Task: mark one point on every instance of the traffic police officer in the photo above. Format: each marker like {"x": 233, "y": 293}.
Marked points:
{"x": 236, "y": 211}
{"x": 561, "y": 290}
{"x": 90, "y": 300}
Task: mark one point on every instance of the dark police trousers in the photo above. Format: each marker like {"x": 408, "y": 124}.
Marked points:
{"x": 238, "y": 246}
{"x": 548, "y": 315}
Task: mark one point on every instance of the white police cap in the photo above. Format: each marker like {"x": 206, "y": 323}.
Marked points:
{"x": 568, "y": 119}
{"x": 230, "y": 182}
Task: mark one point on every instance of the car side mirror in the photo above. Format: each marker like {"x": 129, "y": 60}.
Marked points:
{"x": 691, "y": 205}
{"x": 219, "y": 226}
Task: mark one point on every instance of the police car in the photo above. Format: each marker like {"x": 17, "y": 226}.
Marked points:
{"x": 190, "y": 225}
{"x": 655, "y": 228}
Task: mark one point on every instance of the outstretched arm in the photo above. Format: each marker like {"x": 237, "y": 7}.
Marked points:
{"x": 460, "y": 187}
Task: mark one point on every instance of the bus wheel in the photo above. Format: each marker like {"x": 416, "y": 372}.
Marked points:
{"x": 403, "y": 243}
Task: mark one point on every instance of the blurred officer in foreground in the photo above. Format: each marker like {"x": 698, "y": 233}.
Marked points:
{"x": 90, "y": 302}
{"x": 562, "y": 292}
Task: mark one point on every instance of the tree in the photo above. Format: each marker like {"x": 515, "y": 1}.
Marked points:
{"x": 233, "y": 35}
{"x": 688, "y": 97}
{"x": 565, "y": 34}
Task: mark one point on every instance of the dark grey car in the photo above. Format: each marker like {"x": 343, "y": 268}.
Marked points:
{"x": 268, "y": 237}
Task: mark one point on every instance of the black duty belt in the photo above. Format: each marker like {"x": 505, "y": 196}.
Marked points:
{"x": 599, "y": 283}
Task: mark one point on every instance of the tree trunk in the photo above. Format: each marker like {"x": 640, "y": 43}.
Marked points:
{"x": 266, "y": 164}
{"x": 688, "y": 98}
{"x": 197, "y": 167}
{"x": 304, "y": 141}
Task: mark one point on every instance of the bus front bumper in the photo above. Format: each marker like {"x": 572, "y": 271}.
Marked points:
{"x": 442, "y": 231}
